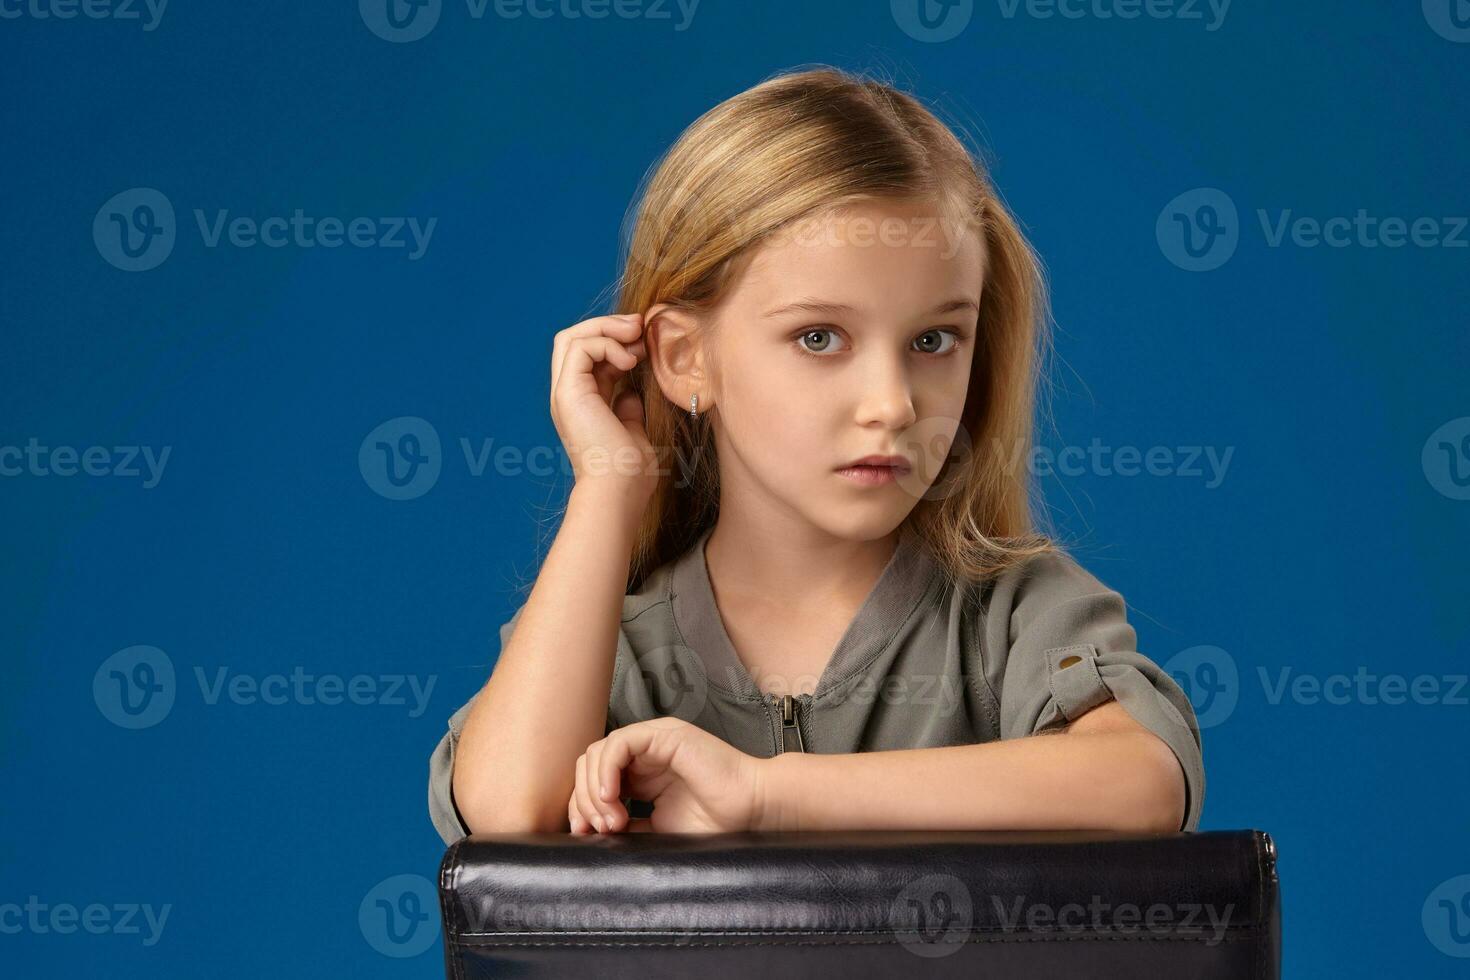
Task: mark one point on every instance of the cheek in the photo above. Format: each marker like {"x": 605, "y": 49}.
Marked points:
{"x": 774, "y": 415}
{"x": 947, "y": 390}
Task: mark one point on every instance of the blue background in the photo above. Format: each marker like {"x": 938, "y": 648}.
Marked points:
{"x": 1329, "y": 545}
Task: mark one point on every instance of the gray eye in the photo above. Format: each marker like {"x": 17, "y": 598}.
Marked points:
{"x": 817, "y": 348}
{"x": 928, "y": 346}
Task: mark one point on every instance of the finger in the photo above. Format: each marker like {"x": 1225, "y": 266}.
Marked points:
{"x": 574, "y": 817}
{"x": 579, "y": 803}
{"x": 629, "y": 743}
{"x": 585, "y": 355}
{"x": 628, "y": 407}
{"x": 582, "y": 794}
{"x": 594, "y": 795}
{"x": 626, "y": 327}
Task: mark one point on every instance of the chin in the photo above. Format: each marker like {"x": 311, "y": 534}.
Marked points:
{"x": 865, "y": 524}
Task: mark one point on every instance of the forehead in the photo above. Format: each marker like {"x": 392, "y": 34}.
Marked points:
{"x": 886, "y": 254}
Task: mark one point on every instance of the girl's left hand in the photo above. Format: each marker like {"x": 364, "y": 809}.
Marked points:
{"x": 696, "y": 781}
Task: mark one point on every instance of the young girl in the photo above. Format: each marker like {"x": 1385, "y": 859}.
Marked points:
{"x": 820, "y": 603}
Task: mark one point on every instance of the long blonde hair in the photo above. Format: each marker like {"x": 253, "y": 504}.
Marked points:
{"x": 797, "y": 144}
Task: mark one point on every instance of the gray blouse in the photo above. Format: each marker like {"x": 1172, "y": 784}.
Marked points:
{"x": 926, "y": 662}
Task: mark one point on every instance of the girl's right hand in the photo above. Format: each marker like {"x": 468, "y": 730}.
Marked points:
{"x": 605, "y": 439}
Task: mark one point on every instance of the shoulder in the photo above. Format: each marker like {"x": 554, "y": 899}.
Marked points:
{"x": 1042, "y": 587}
{"x": 654, "y": 592}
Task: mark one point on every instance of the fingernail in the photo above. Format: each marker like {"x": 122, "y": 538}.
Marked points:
{"x": 597, "y": 822}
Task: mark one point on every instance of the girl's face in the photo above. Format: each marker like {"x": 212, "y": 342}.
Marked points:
{"x": 851, "y": 335}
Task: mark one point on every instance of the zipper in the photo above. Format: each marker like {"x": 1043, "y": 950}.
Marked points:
{"x": 790, "y": 722}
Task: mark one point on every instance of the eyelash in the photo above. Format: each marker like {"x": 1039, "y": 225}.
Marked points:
{"x": 959, "y": 341}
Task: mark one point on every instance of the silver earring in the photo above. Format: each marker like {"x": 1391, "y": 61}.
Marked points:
{"x": 694, "y": 405}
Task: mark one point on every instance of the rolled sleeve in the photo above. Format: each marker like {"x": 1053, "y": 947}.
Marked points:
{"x": 1070, "y": 649}
{"x": 442, "y": 811}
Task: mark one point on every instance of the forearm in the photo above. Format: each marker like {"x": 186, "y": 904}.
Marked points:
{"x": 546, "y": 700}
{"x": 1113, "y": 780}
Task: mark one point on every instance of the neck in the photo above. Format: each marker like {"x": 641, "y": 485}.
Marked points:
{"x": 776, "y": 562}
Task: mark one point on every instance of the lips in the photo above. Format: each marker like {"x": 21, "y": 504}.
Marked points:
{"x": 897, "y": 463}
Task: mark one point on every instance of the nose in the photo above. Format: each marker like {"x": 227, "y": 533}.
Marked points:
{"x": 887, "y": 395}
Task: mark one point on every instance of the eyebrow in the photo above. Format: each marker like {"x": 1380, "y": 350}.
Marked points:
{"x": 824, "y": 306}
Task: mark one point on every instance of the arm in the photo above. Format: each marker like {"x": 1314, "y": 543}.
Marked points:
{"x": 1103, "y": 771}
{"x": 546, "y": 699}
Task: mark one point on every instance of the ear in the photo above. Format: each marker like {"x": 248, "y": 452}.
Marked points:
{"x": 678, "y": 354}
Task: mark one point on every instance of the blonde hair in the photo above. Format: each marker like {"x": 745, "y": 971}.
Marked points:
{"x": 799, "y": 144}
